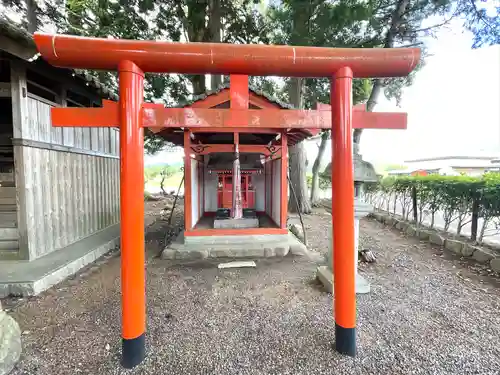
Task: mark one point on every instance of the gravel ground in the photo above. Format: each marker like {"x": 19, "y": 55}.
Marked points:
{"x": 426, "y": 314}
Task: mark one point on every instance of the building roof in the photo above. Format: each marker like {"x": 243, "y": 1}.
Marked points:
{"x": 23, "y": 38}
{"x": 226, "y": 86}
{"x": 175, "y": 135}
{"x": 469, "y": 157}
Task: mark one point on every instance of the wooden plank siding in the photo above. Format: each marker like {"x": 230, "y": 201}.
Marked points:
{"x": 64, "y": 193}
{"x": 9, "y": 244}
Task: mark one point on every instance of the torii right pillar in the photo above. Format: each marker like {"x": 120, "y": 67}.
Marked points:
{"x": 343, "y": 213}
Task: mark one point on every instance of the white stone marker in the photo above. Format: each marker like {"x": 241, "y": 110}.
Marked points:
{"x": 325, "y": 273}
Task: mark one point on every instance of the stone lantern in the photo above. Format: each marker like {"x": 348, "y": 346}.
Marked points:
{"x": 363, "y": 173}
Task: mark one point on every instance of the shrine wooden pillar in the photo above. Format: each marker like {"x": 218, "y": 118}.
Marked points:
{"x": 188, "y": 197}
{"x": 343, "y": 213}
{"x": 133, "y": 287}
{"x": 284, "y": 180}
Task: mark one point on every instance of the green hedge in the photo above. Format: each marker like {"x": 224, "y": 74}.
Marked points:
{"x": 461, "y": 199}
{"x": 324, "y": 181}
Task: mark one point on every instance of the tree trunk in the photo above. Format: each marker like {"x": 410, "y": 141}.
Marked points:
{"x": 396, "y": 20}
{"x": 316, "y": 166}
{"x": 414, "y": 204}
{"x": 297, "y": 157}
{"x": 483, "y": 230}
{"x": 298, "y": 164}
{"x": 214, "y": 26}
{"x": 194, "y": 23}
{"x": 163, "y": 176}
{"x": 31, "y": 13}
{"x": 199, "y": 84}
{"x": 475, "y": 218}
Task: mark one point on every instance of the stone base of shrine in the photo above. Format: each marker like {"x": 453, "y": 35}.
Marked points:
{"x": 243, "y": 223}
{"x": 325, "y": 275}
{"x": 249, "y": 246}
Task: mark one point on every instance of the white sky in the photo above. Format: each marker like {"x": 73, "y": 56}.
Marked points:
{"x": 453, "y": 106}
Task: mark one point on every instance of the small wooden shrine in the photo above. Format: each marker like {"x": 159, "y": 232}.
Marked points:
{"x": 220, "y": 182}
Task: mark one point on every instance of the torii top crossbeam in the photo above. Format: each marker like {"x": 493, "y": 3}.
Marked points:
{"x": 219, "y": 58}
{"x": 134, "y": 58}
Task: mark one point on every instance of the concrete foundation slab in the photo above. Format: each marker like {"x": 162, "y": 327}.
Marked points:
{"x": 250, "y": 222}
{"x": 31, "y": 278}
{"x": 255, "y": 246}
{"x": 325, "y": 276}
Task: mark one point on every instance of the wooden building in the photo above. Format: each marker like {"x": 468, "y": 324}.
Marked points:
{"x": 59, "y": 188}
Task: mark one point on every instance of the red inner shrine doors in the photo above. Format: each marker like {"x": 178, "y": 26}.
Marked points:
{"x": 225, "y": 191}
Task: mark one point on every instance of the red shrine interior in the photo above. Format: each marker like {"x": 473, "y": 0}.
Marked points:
{"x": 225, "y": 189}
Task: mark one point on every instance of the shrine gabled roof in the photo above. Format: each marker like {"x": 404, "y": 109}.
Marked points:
{"x": 225, "y": 86}
{"x": 245, "y": 138}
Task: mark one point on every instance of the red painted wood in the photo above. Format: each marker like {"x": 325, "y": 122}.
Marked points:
{"x": 159, "y": 118}
{"x": 284, "y": 181}
{"x": 188, "y": 222}
{"x": 221, "y": 58}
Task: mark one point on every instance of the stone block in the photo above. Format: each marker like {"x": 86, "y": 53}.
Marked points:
{"x": 296, "y": 229}
{"x": 325, "y": 276}
{"x": 231, "y": 252}
{"x": 454, "y": 246}
{"x": 398, "y": 224}
{"x": 282, "y": 251}
{"x": 423, "y": 235}
{"x": 236, "y": 223}
{"x": 191, "y": 254}
{"x": 495, "y": 264}
{"x": 378, "y": 216}
{"x": 390, "y": 221}
{"x": 410, "y": 231}
{"x": 168, "y": 254}
{"x": 436, "y": 239}
{"x": 483, "y": 255}
{"x": 468, "y": 250}
{"x": 404, "y": 225}
{"x": 298, "y": 248}
{"x": 10, "y": 343}
{"x": 269, "y": 252}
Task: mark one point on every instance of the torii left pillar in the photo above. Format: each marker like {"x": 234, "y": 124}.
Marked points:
{"x": 133, "y": 285}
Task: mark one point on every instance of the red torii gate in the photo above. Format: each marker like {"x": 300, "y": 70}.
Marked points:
{"x": 132, "y": 58}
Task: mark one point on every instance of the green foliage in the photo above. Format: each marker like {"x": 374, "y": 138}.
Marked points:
{"x": 452, "y": 195}
{"x": 324, "y": 181}
{"x": 394, "y": 167}
{"x": 320, "y": 23}
{"x": 153, "y": 171}
{"x": 342, "y": 23}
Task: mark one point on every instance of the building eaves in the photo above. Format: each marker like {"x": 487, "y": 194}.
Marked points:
{"x": 9, "y": 29}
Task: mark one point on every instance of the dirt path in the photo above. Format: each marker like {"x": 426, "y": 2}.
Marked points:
{"x": 426, "y": 314}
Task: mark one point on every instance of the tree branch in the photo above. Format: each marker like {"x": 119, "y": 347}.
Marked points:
{"x": 480, "y": 16}
{"x": 389, "y": 43}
